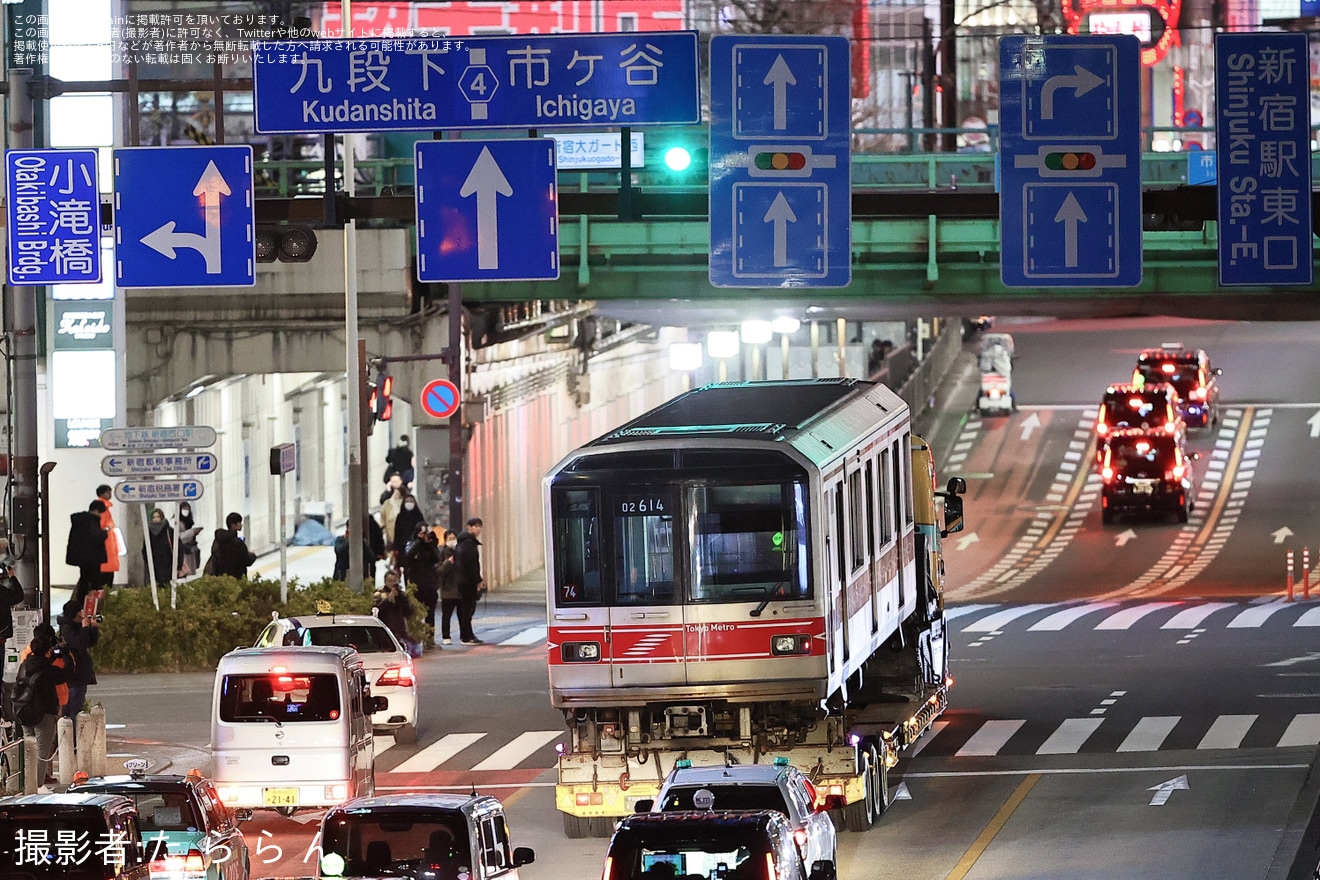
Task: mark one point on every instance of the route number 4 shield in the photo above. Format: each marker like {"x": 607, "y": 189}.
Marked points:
{"x": 184, "y": 217}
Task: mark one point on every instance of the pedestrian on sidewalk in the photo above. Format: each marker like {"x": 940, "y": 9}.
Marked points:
{"x": 80, "y": 635}
{"x": 471, "y": 585}
{"x": 86, "y": 548}
{"x": 450, "y": 597}
{"x": 190, "y": 548}
{"x": 400, "y": 460}
{"x": 393, "y": 608}
{"x": 35, "y": 702}
{"x": 229, "y": 555}
{"x": 113, "y": 539}
{"x": 161, "y": 538}
{"x": 422, "y": 567}
{"x": 11, "y": 594}
{"x": 405, "y": 527}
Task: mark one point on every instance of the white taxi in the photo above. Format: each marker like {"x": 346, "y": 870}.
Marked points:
{"x": 388, "y": 665}
{"x": 778, "y": 786}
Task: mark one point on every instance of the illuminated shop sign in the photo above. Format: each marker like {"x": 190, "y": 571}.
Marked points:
{"x": 1154, "y": 22}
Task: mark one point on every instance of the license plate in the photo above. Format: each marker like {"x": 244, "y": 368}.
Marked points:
{"x": 281, "y": 797}
{"x": 1144, "y": 487}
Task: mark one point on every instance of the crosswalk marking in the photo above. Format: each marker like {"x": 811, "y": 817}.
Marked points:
{"x": 381, "y": 744}
{"x": 1068, "y": 738}
{"x": 992, "y": 622}
{"x": 530, "y": 636}
{"x": 1149, "y": 734}
{"x": 1059, "y": 619}
{"x": 931, "y": 733}
{"x": 1227, "y": 732}
{"x": 437, "y": 753}
{"x": 992, "y": 737}
{"x": 1310, "y": 618}
{"x": 519, "y": 749}
{"x": 1191, "y": 618}
{"x": 1128, "y": 616}
{"x": 952, "y": 613}
{"x": 1254, "y": 617}
{"x": 1303, "y": 731}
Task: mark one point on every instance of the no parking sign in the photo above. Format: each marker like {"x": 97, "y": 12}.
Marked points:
{"x": 440, "y": 398}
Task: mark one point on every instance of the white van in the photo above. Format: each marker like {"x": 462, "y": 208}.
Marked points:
{"x": 291, "y": 728}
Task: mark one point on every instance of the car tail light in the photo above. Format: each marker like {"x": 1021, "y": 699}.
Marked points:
{"x": 336, "y": 792}
{"x": 590, "y": 798}
{"x": 1107, "y": 474}
{"x": 1170, "y": 428}
{"x": 1198, "y": 393}
{"x": 401, "y": 676}
{"x": 1177, "y": 472}
{"x": 1101, "y": 428}
{"x": 227, "y": 794}
{"x": 1168, "y": 369}
{"x": 800, "y": 835}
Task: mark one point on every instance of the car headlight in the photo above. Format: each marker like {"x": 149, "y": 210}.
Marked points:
{"x": 580, "y": 652}
{"x": 790, "y": 644}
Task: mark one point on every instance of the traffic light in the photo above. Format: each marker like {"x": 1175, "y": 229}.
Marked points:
{"x": 286, "y": 243}
{"x": 380, "y": 401}
{"x": 683, "y": 155}
{"x": 1070, "y": 160}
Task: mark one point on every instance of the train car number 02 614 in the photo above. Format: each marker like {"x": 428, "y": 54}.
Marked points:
{"x": 642, "y": 505}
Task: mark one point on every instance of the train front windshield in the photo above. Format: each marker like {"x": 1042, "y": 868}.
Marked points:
{"x": 680, "y": 542}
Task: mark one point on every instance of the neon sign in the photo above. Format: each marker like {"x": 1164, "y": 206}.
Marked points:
{"x": 1123, "y": 16}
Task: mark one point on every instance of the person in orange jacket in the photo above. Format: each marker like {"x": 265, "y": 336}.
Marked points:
{"x": 111, "y": 564}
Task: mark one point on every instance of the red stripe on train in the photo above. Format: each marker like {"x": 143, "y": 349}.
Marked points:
{"x": 697, "y": 641}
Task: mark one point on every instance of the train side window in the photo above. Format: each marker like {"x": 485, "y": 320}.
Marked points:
{"x": 896, "y": 484}
{"x": 886, "y": 492}
{"x": 856, "y": 520}
{"x": 749, "y": 543}
{"x": 577, "y": 546}
{"x": 907, "y": 480}
{"x": 644, "y": 548}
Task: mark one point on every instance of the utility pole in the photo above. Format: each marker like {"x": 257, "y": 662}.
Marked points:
{"x": 21, "y": 334}
{"x": 948, "y": 76}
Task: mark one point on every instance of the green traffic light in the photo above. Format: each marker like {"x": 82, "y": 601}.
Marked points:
{"x": 678, "y": 158}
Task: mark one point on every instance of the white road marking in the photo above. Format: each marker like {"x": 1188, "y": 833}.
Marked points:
{"x": 1303, "y": 731}
{"x": 437, "y": 753}
{"x": 1069, "y": 737}
{"x": 1150, "y": 733}
{"x": 1227, "y": 732}
{"x": 519, "y": 749}
{"x": 992, "y": 737}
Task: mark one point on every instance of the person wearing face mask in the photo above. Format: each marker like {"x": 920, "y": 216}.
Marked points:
{"x": 450, "y": 597}
{"x": 229, "y": 555}
{"x": 162, "y": 547}
{"x": 190, "y": 551}
{"x": 421, "y": 564}
{"x": 405, "y": 527}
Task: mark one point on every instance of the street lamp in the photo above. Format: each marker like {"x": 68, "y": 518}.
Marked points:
{"x": 784, "y": 326}
{"x": 684, "y": 357}
{"x": 722, "y": 345}
{"x": 756, "y": 334}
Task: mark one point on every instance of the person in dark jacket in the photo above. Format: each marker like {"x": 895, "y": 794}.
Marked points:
{"x": 405, "y": 526}
{"x": 39, "y": 673}
{"x": 422, "y": 567}
{"x": 393, "y": 607}
{"x": 162, "y": 547}
{"x": 400, "y": 460}
{"x": 471, "y": 585}
{"x": 80, "y": 635}
{"x": 229, "y": 555}
{"x": 11, "y": 594}
{"x": 86, "y": 548}
{"x": 450, "y": 597}
{"x": 376, "y": 546}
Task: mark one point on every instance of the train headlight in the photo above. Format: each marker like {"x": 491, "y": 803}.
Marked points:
{"x": 787, "y": 645}
{"x": 580, "y": 652}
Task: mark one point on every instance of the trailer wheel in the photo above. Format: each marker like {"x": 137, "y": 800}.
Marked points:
{"x": 860, "y": 816}
{"x": 576, "y": 827}
{"x": 880, "y": 787}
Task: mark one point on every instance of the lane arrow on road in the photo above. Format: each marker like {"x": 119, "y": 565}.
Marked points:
{"x": 486, "y": 181}
{"x": 1080, "y": 81}
{"x": 1124, "y": 537}
{"x": 1165, "y": 790}
{"x": 1314, "y": 422}
{"x": 781, "y": 214}
{"x": 901, "y": 793}
{"x": 967, "y": 540}
{"x": 780, "y": 77}
{"x": 1029, "y": 424}
{"x": 211, "y": 186}
{"x": 1294, "y": 661}
{"x": 1070, "y": 214}
{"x": 1279, "y": 535}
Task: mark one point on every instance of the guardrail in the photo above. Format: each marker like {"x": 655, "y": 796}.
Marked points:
{"x": 11, "y": 766}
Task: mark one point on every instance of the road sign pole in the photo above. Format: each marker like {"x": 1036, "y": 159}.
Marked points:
{"x": 151, "y": 559}
{"x": 21, "y": 332}
{"x": 284, "y": 544}
{"x": 456, "y": 420}
{"x": 357, "y": 510}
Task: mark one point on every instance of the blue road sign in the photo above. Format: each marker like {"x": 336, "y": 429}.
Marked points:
{"x": 440, "y": 398}
{"x": 529, "y": 81}
{"x": 1070, "y": 150}
{"x": 780, "y": 162}
{"x": 159, "y": 464}
{"x": 1201, "y": 167}
{"x": 184, "y": 217}
{"x": 1263, "y": 138}
{"x": 54, "y": 217}
{"x": 487, "y": 210}
{"x": 158, "y": 490}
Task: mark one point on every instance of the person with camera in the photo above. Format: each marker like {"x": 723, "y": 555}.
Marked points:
{"x": 36, "y": 702}
{"x": 80, "y": 634}
{"x": 393, "y": 607}
{"x": 11, "y": 594}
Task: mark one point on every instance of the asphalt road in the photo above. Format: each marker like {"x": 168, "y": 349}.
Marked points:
{"x": 1130, "y": 701}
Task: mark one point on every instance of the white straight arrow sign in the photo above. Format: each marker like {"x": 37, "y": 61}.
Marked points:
{"x": 1166, "y": 789}
{"x": 1070, "y": 214}
{"x": 781, "y": 214}
{"x": 780, "y": 77}
{"x": 486, "y": 181}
